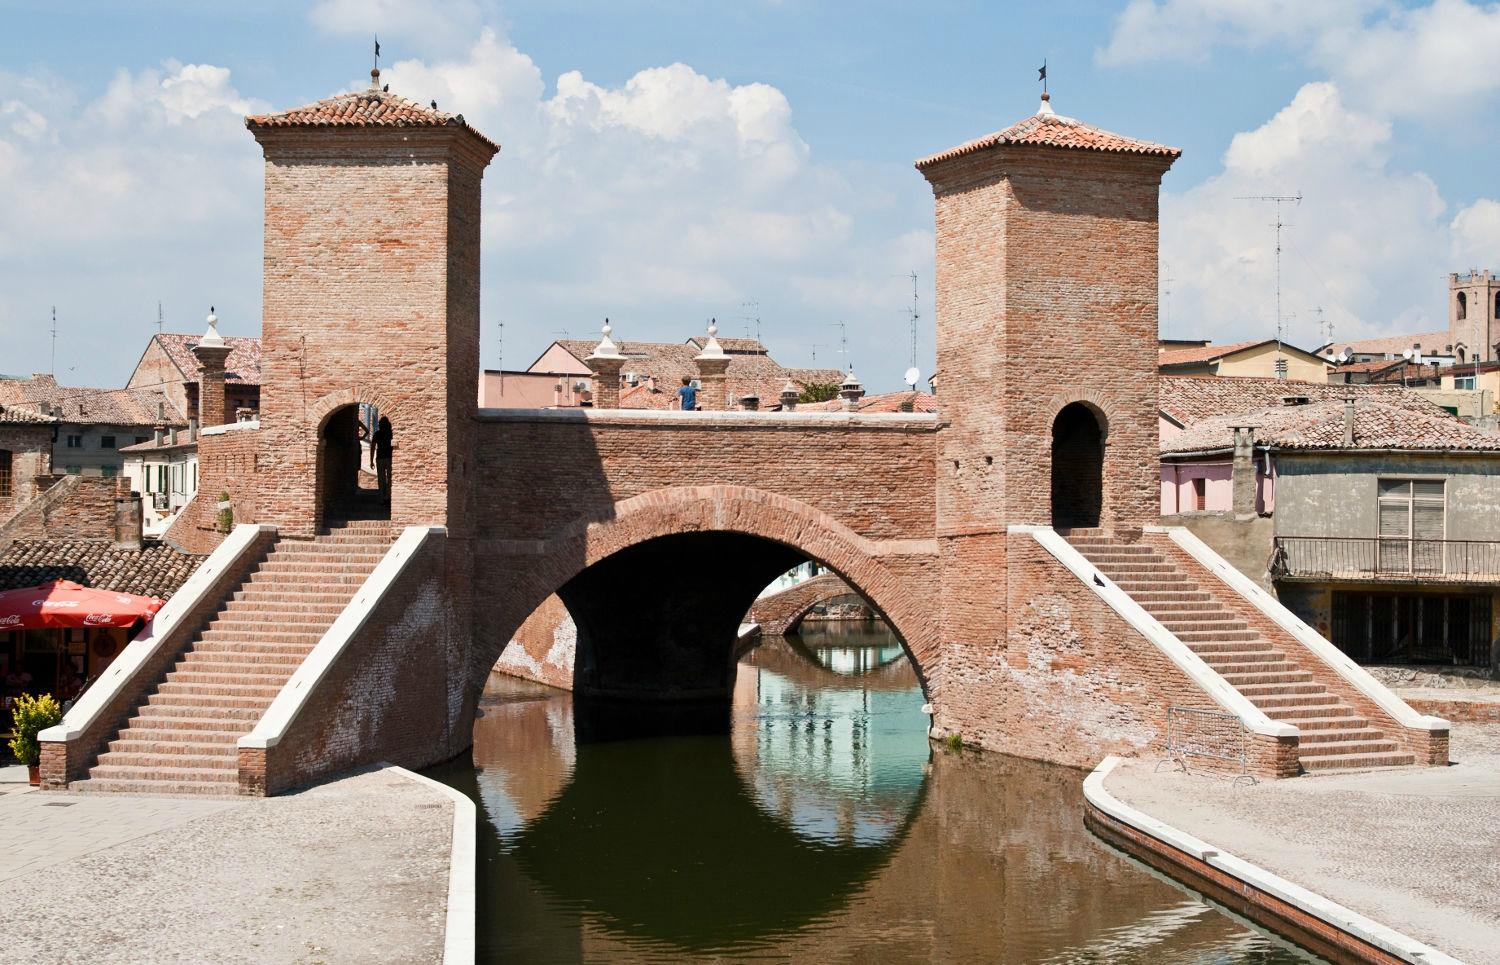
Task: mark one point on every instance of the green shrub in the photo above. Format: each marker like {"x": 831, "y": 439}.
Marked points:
{"x": 32, "y": 715}
{"x": 819, "y": 392}
{"x": 226, "y": 515}
{"x": 955, "y": 742}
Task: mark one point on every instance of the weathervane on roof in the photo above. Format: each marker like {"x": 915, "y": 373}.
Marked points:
{"x": 1041, "y": 75}
{"x": 375, "y": 70}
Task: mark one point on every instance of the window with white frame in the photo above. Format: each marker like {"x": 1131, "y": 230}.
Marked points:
{"x": 1412, "y": 525}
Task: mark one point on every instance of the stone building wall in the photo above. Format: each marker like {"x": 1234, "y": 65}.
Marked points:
{"x": 30, "y": 448}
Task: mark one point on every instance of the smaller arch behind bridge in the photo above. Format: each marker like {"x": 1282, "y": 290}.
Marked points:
{"x": 779, "y": 614}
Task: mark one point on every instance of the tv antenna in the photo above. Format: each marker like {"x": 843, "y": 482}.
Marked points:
{"x": 1281, "y": 222}
{"x": 54, "y": 341}
{"x": 160, "y": 318}
{"x": 1325, "y": 325}
{"x": 815, "y": 347}
{"x": 752, "y": 314}
{"x": 843, "y": 338}
{"x": 915, "y": 315}
{"x": 1166, "y": 297}
{"x": 500, "y": 355}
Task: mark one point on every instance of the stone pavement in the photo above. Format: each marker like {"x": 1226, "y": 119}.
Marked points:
{"x": 355, "y": 870}
{"x": 1413, "y": 848}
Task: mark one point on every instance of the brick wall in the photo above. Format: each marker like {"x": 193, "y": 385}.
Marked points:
{"x": 228, "y": 462}
{"x": 378, "y": 702}
{"x": 76, "y": 507}
{"x": 30, "y": 449}
{"x": 1072, "y": 682}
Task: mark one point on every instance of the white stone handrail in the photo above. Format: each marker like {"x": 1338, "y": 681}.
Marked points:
{"x": 152, "y": 638}
{"x": 289, "y": 701}
{"x": 1358, "y": 677}
{"x": 1381, "y": 936}
{"x": 1208, "y": 680}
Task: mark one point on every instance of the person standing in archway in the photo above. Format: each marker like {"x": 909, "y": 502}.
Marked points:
{"x": 382, "y": 447}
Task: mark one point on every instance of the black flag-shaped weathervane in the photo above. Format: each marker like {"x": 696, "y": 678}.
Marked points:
{"x": 1041, "y": 75}
{"x": 377, "y": 51}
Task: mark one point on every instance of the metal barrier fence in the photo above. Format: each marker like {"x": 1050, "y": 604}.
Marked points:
{"x": 1385, "y": 557}
{"x": 1207, "y": 734}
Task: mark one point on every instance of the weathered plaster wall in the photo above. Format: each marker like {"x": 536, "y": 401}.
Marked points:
{"x": 1334, "y": 495}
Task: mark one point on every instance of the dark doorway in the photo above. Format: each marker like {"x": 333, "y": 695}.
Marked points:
{"x": 355, "y": 465}
{"x": 1077, "y": 467}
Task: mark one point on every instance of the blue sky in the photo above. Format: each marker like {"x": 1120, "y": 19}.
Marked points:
{"x": 664, "y": 162}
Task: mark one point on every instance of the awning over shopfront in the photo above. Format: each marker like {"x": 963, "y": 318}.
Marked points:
{"x": 62, "y": 604}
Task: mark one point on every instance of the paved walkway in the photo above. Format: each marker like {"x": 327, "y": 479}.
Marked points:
{"x": 351, "y": 871}
{"x": 1417, "y": 849}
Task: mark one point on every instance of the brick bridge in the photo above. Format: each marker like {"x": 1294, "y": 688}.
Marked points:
{"x": 337, "y": 625}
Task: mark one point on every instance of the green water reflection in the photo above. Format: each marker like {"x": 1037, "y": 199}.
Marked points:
{"x": 823, "y": 827}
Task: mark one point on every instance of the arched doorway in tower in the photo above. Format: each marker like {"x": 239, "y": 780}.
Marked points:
{"x": 355, "y": 446}
{"x": 1077, "y": 467}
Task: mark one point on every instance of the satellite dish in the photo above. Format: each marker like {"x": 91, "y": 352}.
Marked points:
{"x": 1346, "y": 356}
{"x": 1406, "y": 355}
{"x": 912, "y": 375}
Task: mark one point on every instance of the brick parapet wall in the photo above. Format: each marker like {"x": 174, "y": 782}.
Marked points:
{"x": 76, "y": 507}
{"x": 64, "y": 762}
{"x": 1071, "y": 682}
{"x": 228, "y": 463}
{"x": 1430, "y": 747}
{"x": 380, "y": 701}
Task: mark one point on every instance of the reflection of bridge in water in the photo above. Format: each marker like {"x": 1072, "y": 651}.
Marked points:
{"x": 839, "y": 656}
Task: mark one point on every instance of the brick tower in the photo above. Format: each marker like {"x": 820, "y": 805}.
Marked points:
{"x": 371, "y": 295}
{"x": 1046, "y": 283}
{"x": 1474, "y": 313}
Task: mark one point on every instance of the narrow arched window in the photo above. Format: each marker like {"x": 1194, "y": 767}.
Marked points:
{"x": 6, "y": 489}
{"x": 1463, "y": 306}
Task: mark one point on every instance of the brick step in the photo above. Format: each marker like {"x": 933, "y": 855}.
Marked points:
{"x": 1379, "y": 745}
{"x": 250, "y": 647}
{"x": 205, "y": 708}
{"x": 309, "y": 637}
{"x": 1340, "y": 762}
{"x": 1243, "y": 678}
{"x": 1195, "y": 637}
{"x": 167, "y": 773}
{"x": 285, "y": 598}
{"x": 96, "y": 785}
{"x": 332, "y": 577}
{"x": 172, "y": 688}
{"x": 239, "y": 662}
{"x": 1224, "y": 621}
{"x": 1314, "y": 724}
{"x": 1124, "y": 555}
{"x": 1291, "y": 706}
{"x": 225, "y": 757}
{"x": 1253, "y": 661}
{"x": 1159, "y": 608}
{"x": 273, "y": 677}
{"x": 1256, "y": 691}
{"x": 1226, "y": 649}
{"x": 228, "y": 715}
{"x": 1144, "y": 564}
{"x": 200, "y": 743}
{"x": 188, "y": 728}
{"x": 256, "y": 630}
{"x": 1145, "y": 587}
{"x": 1346, "y": 734}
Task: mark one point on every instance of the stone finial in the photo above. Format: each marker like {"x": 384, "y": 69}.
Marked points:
{"x": 711, "y": 348}
{"x": 1046, "y": 107}
{"x": 606, "y": 349}
{"x": 789, "y": 395}
{"x": 212, "y": 338}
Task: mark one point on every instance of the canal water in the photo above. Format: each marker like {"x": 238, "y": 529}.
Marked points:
{"x": 822, "y": 827}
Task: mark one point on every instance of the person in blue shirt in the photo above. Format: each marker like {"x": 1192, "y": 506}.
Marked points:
{"x": 687, "y": 396}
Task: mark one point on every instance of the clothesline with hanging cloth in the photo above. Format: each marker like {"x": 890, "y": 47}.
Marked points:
{"x": 63, "y": 603}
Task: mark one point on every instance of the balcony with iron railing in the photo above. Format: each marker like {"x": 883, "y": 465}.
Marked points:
{"x": 1385, "y": 559}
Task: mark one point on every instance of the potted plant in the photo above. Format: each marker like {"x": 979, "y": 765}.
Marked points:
{"x": 32, "y": 715}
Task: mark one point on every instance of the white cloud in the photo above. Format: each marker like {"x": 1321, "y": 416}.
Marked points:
{"x": 406, "y": 25}
{"x": 1476, "y": 235}
{"x": 1369, "y": 244}
{"x": 1188, "y": 30}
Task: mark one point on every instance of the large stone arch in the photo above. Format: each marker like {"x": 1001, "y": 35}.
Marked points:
{"x": 512, "y": 583}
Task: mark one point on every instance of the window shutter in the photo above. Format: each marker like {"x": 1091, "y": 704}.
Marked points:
{"x": 1394, "y": 519}
{"x": 1427, "y": 520}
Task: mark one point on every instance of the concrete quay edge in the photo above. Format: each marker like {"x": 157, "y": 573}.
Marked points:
{"x": 459, "y": 928}
{"x": 1309, "y": 918}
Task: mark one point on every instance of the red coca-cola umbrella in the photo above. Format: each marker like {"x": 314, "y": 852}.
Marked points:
{"x": 62, "y": 603}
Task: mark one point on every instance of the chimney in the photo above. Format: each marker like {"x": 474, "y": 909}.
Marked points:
{"x": 158, "y": 432}
{"x": 211, "y": 352}
{"x": 1243, "y": 482}
{"x": 605, "y": 362}
{"x": 1349, "y": 422}
{"x": 127, "y": 516}
{"x": 789, "y": 395}
{"x": 851, "y": 391}
{"x": 751, "y": 403}
{"x": 192, "y": 428}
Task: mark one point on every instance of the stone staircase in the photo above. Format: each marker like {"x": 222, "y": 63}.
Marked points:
{"x": 182, "y": 738}
{"x": 1333, "y": 734}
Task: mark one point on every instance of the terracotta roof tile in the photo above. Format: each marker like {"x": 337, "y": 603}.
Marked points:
{"x": 668, "y": 362}
{"x": 1432, "y": 342}
{"x": 88, "y": 406}
{"x": 1187, "y": 399}
{"x": 1054, "y": 130}
{"x": 885, "y": 402}
{"x": 242, "y": 365}
{"x": 1320, "y": 425}
{"x": 14, "y": 415}
{"x": 364, "y": 108}
{"x": 156, "y": 570}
